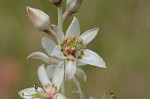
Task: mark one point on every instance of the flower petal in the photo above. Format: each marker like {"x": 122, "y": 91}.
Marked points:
{"x": 57, "y": 52}
{"x": 50, "y": 70}
{"x": 70, "y": 70}
{"x": 28, "y": 92}
{"x": 44, "y": 78}
{"x": 92, "y": 58}
{"x": 58, "y": 76}
{"x": 48, "y": 45}
{"x": 43, "y": 57}
{"x": 59, "y": 34}
{"x": 74, "y": 29}
{"x": 89, "y": 35}
{"x": 81, "y": 73}
{"x": 59, "y": 96}
{"x": 79, "y": 63}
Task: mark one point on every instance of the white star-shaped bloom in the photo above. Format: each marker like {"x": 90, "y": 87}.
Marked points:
{"x": 72, "y": 48}
{"x": 53, "y": 62}
{"x": 50, "y": 90}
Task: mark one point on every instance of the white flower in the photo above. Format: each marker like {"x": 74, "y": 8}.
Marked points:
{"x": 50, "y": 90}
{"x": 72, "y": 48}
{"x": 79, "y": 73}
{"x": 53, "y": 62}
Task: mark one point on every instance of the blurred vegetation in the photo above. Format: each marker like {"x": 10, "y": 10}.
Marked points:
{"x": 123, "y": 42}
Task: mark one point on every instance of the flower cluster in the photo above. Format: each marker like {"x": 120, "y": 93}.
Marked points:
{"x": 64, "y": 56}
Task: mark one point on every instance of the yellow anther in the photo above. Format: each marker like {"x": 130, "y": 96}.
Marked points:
{"x": 68, "y": 41}
{"x": 47, "y": 85}
{"x": 65, "y": 54}
{"x": 55, "y": 88}
{"x": 73, "y": 48}
{"x": 82, "y": 53}
{"x": 80, "y": 41}
{"x": 80, "y": 57}
{"x": 73, "y": 38}
{"x": 53, "y": 85}
{"x": 70, "y": 51}
{"x": 63, "y": 43}
{"x": 62, "y": 50}
{"x": 79, "y": 44}
{"x": 67, "y": 48}
{"x": 70, "y": 59}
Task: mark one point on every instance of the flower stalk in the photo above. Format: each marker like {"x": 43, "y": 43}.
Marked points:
{"x": 60, "y": 21}
{"x": 60, "y": 26}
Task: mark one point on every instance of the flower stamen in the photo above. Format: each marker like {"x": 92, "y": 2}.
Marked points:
{"x": 47, "y": 85}
{"x": 71, "y": 45}
{"x": 35, "y": 86}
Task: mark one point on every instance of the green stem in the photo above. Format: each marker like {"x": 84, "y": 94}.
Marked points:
{"x": 63, "y": 86}
{"x": 60, "y": 26}
{"x": 60, "y": 20}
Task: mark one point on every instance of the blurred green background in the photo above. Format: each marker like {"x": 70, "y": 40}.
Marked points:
{"x": 123, "y": 42}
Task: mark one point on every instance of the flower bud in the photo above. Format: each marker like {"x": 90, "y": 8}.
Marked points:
{"x": 39, "y": 19}
{"x": 72, "y": 6}
{"x": 56, "y": 2}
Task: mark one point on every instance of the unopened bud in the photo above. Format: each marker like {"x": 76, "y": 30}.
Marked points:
{"x": 72, "y": 6}
{"x": 39, "y": 19}
{"x": 56, "y": 2}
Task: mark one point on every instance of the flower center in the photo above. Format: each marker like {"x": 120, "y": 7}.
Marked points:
{"x": 43, "y": 95}
{"x": 71, "y": 45}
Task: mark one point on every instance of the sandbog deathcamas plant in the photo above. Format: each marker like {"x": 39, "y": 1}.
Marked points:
{"x": 64, "y": 56}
